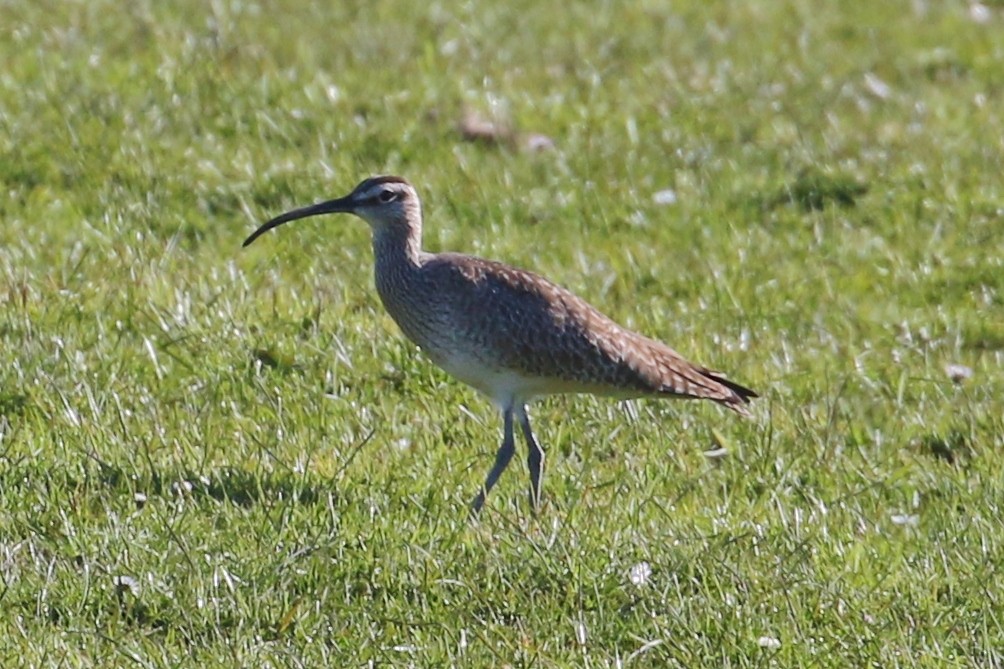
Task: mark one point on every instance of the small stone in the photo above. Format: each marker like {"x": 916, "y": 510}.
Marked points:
{"x": 664, "y": 197}
{"x": 877, "y": 87}
{"x": 979, "y": 12}
{"x": 182, "y": 487}
{"x": 538, "y": 142}
{"x": 640, "y": 573}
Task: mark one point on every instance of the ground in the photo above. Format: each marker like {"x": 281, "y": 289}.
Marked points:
{"x": 212, "y": 456}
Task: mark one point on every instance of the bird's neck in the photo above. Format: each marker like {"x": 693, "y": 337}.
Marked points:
{"x": 397, "y": 247}
{"x": 397, "y": 260}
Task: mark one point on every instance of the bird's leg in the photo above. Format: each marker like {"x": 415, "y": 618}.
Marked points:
{"x": 534, "y": 459}
{"x": 502, "y": 458}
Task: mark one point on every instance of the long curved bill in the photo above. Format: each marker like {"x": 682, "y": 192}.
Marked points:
{"x": 342, "y": 205}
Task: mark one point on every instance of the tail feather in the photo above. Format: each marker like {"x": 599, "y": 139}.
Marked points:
{"x": 743, "y": 392}
{"x": 682, "y": 378}
{"x": 740, "y": 395}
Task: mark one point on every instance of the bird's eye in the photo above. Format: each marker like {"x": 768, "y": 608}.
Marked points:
{"x": 386, "y": 196}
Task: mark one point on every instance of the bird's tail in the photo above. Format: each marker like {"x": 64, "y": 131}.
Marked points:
{"x": 738, "y": 396}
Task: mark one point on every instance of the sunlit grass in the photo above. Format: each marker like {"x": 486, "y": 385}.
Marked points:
{"x": 212, "y": 456}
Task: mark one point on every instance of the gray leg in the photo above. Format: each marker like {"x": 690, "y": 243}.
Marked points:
{"x": 534, "y": 459}
{"x": 502, "y": 458}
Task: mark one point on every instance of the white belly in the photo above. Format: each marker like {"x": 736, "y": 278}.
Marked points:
{"x": 505, "y": 386}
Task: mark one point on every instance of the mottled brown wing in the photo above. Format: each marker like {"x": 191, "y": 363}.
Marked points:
{"x": 530, "y": 325}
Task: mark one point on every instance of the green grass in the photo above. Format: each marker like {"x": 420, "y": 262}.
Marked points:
{"x": 212, "y": 456}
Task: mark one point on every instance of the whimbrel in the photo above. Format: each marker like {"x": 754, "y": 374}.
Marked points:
{"x": 509, "y": 333}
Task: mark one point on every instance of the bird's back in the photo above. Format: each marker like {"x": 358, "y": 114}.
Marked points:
{"x": 493, "y": 325}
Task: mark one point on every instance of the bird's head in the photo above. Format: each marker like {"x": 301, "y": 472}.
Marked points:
{"x": 387, "y": 203}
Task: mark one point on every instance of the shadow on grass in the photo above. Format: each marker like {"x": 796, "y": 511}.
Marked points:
{"x": 953, "y": 448}
{"x": 813, "y": 190}
{"x": 228, "y": 484}
{"x": 13, "y": 404}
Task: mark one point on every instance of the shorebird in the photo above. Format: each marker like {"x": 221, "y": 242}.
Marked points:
{"x": 509, "y": 333}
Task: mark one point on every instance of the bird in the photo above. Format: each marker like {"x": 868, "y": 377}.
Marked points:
{"x": 509, "y": 333}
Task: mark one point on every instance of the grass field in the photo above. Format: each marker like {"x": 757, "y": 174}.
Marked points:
{"x": 216, "y": 457}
